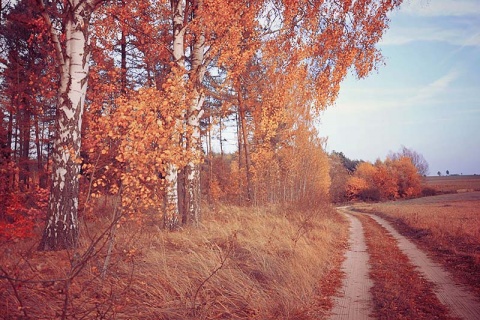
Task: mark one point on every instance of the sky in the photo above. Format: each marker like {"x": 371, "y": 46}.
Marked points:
{"x": 426, "y": 96}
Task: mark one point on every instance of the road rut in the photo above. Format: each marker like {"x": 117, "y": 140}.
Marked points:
{"x": 354, "y": 301}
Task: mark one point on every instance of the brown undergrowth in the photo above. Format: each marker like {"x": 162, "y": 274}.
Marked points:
{"x": 446, "y": 226}
{"x": 399, "y": 291}
{"x": 256, "y": 263}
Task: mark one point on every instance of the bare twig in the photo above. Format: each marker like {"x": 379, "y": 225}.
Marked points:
{"x": 12, "y": 281}
{"x": 302, "y": 230}
{"x": 223, "y": 261}
{"x": 89, "y": 191}
{"x": 116, "y": 215}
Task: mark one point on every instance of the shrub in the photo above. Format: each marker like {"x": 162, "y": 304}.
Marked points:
{"x": 370, "y": 194}
{"x": 427, "y": 192}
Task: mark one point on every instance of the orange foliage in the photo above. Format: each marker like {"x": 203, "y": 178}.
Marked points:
{"x": 391, "y": 179}
{"x": 354, "y": 186}
{"x": 274, "y": 64}
{"x": 235, "y": 183}
{"x": 215, "y": 190}
{"x": 293, "y": 70}
{"x": 137, "y": 145}
{"x": 407, "y": 177}
{"x": 366, "y": 171}
{"x": 385, "y": 181}
{"x": 23, "y": 211}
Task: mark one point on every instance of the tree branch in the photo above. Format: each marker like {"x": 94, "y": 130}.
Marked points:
{"x": 56, "y": 41}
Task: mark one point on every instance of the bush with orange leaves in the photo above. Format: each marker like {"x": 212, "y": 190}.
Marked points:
{"x": 388, "y": 180}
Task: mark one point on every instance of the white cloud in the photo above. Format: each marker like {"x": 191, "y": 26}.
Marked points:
{"x": 435, "y": 88}
{"x": 361, "y": 99}
{"x": 436, "y": 8}
{"x": 456, "y": 22}
{"x": 455, "y": 36}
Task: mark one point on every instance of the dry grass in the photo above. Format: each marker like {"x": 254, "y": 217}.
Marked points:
{"x": 447, "y": 226}
{"x": 399, "y": 291}
{"x": 267, "y": 263}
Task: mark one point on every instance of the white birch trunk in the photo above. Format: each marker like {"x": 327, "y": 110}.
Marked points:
{"x": 61, "y": 230}
{"x": 172, "y": 213}
{"x": 171, "y": 216}
{"x": 192, "y": 181}
{"x": 195, "y": 112}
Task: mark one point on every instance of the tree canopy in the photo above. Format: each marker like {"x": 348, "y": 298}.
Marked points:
{"x": 122, "y": 99}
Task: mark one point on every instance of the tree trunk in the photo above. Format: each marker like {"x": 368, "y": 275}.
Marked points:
{"x": 240, "y": 157}
{"x": 61, "y": 230}
{"x": 192, "y": 186}
{"x": 23, "y": 118}
{"x": 11, "y": 176}
{"x": 123, "y": 54}
{"x": 1, "y": 12}
{"x": 5, "y": 153}
{"x": 192, "y": 174}
{"x": 172, "y": 213}
{"x": 38, "y": 147}
{"x": 210, "y": 158}
{"x": 246, "y": 149}
{"x": 221, "y": 138}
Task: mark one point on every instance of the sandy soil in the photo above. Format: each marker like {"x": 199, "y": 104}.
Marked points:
{"x": 354, "y": 299}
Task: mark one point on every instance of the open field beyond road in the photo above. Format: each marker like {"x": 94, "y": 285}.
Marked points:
{"x": 451, "y": 184}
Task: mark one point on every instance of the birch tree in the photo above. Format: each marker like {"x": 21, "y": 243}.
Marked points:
{"x": 172, "y": 214}
{"x": 417, "y": 159}
{"x": 195, "y": 112}
{"x": 68, "y": 23}
{"x": 189, "y": 15}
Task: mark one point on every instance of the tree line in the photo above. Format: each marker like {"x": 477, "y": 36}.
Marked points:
{"x": 398, "y": 176}
{"x": 122, "y": 98}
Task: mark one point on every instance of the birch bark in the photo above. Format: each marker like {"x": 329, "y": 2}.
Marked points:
{"x": 61, "y": 230}
{"x": 172, "y": 214}
{"x": 195, "y": 112}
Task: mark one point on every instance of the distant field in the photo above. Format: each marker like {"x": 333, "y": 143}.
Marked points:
{"x": 450, "y": 184}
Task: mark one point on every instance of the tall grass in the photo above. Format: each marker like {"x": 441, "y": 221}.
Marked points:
{"x": 256, "y": 263}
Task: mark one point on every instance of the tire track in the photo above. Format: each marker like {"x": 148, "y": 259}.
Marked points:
{"x": 354, "y": 301}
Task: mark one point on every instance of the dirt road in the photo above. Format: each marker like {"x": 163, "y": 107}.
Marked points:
{"x": 354, "y": 299}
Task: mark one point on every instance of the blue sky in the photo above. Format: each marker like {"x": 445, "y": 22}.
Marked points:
{"x": 426, "y": 97}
